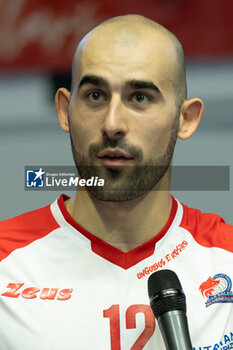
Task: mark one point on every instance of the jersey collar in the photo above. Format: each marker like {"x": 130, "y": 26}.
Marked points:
{"x": 112, "y": 254}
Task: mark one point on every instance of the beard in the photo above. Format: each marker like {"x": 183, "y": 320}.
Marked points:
{"x": 128, "y": 182}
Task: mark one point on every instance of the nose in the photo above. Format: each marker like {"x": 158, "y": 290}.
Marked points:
{"x": 115, "y": 123}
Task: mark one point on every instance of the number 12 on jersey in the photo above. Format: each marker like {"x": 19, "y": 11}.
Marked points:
{"x": 113, "y": 313}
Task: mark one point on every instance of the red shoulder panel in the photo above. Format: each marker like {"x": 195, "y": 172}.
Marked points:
{"x": 24, "y": 229}
{"x": 208, "y": 230}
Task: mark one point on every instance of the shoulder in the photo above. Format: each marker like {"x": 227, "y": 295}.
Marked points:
{"x": 22, "y": 230}
{"x": 209, "y": 230}
{"x": 41, "y": 219}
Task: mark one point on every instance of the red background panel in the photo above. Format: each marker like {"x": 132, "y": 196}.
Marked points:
{"x": 42, "y": 34}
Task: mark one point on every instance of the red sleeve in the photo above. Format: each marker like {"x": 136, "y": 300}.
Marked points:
{"x": 208, "y": 230}
{"x": 24, "y": 229}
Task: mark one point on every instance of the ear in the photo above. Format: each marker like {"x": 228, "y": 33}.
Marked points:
{"x": 190, "y": 116}
{"x": 62, "y": 99}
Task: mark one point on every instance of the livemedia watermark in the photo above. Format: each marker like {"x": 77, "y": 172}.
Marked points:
{"x": 183, "y": 178}
{"x": 55, "y": 178}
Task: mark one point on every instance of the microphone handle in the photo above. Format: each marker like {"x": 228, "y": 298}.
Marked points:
{"x": 174, "y": 328}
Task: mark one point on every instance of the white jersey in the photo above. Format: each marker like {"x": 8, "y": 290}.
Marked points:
{"x": 62, "y": 288}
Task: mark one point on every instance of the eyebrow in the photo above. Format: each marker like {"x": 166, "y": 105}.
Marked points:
{"x": 141, "y": 84}
{"x": 93, "y": 80}
{"x": 133, "y": 84}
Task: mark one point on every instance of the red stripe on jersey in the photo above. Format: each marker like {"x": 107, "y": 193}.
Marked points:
{"x": 208, "y": 230}
{"x": 24, "y": 229}
{"x": 112, "y": 254}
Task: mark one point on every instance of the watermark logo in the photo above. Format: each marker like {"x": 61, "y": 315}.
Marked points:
{"x": 54, "y": 178}
{"x": 35, "y": 178}
{"x": 183, "y": 178}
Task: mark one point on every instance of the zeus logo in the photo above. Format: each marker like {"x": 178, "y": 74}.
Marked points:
{"x": 15, "y": 290}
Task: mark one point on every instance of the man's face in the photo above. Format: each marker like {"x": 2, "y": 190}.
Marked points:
{"x": 123, "y": 115}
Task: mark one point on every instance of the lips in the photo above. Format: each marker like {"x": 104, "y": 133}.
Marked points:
{"x": 113, "y": 153}
{"x": 114, "y": 158}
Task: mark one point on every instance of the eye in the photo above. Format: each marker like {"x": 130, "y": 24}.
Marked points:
{"x": 96, "y": 96}
{"x": 140, "y": 97}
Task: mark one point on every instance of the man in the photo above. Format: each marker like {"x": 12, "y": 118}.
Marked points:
{"x": 74, "y": 274}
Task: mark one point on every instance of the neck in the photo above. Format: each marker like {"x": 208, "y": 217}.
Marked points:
{"x": 124, "y": 225}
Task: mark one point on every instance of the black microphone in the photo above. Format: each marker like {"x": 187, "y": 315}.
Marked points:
{"x": 167, "y": 301}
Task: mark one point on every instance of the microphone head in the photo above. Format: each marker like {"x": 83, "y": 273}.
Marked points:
{"x": 165, "y": 292}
